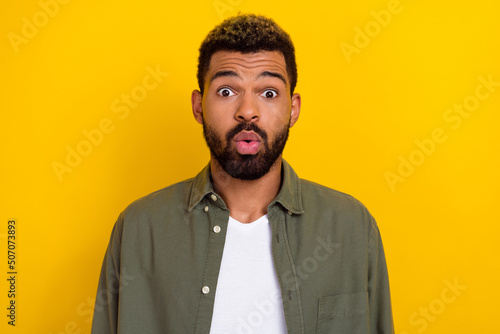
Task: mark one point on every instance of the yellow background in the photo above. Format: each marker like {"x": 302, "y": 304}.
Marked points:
{"x": 361, "y": 115}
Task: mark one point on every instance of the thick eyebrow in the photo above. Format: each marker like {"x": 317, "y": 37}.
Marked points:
{"x": 272, "y": 74}
{"x": 261, "y": 75}
{"x": 224, "y": 74}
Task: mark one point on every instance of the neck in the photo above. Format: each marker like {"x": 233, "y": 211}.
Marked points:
{"x": 247, "y": 200}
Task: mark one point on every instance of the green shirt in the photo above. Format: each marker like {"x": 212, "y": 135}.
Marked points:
{"x": 160, "y": 270}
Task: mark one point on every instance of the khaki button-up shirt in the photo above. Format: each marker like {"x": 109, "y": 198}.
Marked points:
{"x": 161, "y": 267}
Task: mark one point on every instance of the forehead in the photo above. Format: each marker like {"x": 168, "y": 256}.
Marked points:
{"x": 251, "y": 64}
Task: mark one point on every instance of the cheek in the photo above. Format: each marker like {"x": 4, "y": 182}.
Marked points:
{"x": 278, "y": 119}
{"x": 220, "y": 124}
{"x": 217, "y": 124}
{"x": 215, "y": 111}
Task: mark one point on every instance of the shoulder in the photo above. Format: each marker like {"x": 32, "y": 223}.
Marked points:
{"x": 159, "y": 201}
{"x": 329, "y": 196}
{"x": 337, "y": 205}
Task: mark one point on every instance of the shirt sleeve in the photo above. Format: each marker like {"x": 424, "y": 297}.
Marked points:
{"x": 105, "y": 320}
{"x": 381, "y": 321}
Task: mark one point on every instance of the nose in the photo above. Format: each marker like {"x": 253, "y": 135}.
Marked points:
{"x": 248, "y": 110}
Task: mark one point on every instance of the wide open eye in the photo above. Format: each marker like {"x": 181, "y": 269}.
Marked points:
{"x": 225, "y": 92}
{"x": 269, "y": 93}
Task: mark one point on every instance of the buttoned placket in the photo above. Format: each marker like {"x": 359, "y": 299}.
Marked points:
{"x": 280, "y": 211}
{"x": 217, "y": 219}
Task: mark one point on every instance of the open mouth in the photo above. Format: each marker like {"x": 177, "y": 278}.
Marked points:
{"x": 247, "y": 143}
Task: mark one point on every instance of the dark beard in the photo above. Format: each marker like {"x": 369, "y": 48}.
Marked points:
{"x": 242, "y": 166}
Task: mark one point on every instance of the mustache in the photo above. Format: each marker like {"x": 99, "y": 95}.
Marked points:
{"x": 246, "y": 127}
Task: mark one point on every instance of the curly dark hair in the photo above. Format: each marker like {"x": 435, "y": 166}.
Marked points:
{"x": 247, "y": 33}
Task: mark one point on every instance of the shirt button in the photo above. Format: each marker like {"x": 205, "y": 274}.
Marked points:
{"x": 205, "y": 208}
{"x": 216, "y": 228}
{"x": 205, "y": 290}
{"x": 290, "y": 212}
{"x": 213, "y": 197}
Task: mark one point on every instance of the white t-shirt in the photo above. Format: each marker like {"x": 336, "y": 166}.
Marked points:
{"x": 248, "y": 298}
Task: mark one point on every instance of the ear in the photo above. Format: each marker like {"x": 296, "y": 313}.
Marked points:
{"x": 294, "y": 115}
{"x": 196, "y": 99}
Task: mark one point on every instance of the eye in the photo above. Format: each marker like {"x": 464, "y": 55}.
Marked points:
{"x": 225, "y": 92}
{"x": 270, "y": 93}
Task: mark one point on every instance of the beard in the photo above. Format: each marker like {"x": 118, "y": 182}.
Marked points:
{"x": 245, "y": 166}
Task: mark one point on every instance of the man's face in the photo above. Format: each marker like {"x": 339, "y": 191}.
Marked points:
{"x": 246, "y": 111}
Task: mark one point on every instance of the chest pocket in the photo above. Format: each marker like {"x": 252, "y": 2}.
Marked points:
{"x": 344, "y": 314}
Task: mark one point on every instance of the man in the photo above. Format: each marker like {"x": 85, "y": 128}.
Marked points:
{"x": 245, "y": 246}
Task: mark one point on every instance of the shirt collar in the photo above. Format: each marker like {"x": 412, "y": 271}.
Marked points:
{"x": 289, "y": 196}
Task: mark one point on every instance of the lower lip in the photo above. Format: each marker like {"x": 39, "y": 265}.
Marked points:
{"x": 248, "y": 148}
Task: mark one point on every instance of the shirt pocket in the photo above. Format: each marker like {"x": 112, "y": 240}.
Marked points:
{"x": 341, "y": 314}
